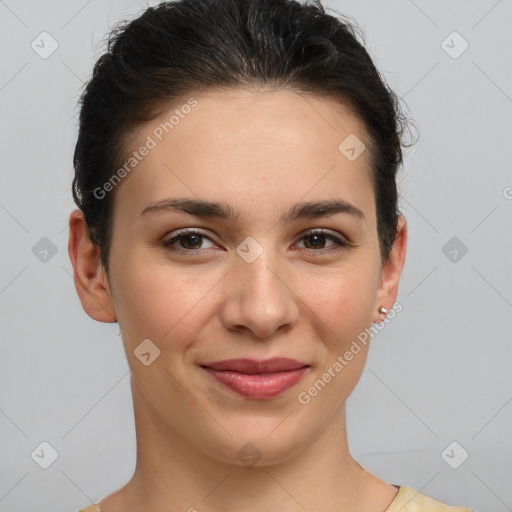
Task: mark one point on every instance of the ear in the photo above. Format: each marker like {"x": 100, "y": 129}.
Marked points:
{"x": 391, "y": 271}
{"x": 89, "y": 275}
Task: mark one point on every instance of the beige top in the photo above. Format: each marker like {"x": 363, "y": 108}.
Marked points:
{"x": 406, "y": 500}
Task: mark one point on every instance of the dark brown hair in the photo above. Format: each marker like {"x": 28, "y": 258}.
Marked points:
{"x": 185, "y": 46}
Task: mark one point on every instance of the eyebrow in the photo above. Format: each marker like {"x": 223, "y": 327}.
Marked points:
{"x": 224, "y": 211}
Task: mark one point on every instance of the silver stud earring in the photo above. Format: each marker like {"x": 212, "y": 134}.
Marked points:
{"x": 383, "y": 311}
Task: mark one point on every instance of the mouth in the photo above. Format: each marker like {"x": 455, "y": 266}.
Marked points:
{"x": 257, "y": 379}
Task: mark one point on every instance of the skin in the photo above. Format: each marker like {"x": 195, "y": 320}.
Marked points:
{"x": 261, "y": 152}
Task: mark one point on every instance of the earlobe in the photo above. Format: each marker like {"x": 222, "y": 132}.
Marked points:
{"x": 392, "y": 270}
{"x": 88, "y": 273}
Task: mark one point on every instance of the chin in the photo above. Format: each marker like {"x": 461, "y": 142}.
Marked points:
{"x": 259, "y": 443}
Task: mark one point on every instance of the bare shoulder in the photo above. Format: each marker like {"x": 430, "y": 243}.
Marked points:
{"x": 376, "y": 494}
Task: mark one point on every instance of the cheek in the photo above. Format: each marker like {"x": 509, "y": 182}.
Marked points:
{"x": 170, "y": 304}
{"x": 342, "y": 299}
{"x": 160, "y": 302}
{"x": 342, "y": 302}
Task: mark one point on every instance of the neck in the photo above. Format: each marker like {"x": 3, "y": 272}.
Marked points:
{"x": 172, "y": 475}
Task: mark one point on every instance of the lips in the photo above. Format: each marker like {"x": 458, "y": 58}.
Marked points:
{"x": 257, "y": 379}
{"x": 251, "y": 366}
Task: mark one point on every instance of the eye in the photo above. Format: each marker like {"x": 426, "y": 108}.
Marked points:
{"x": 190, "y": 240}
{"x": 317, "y": 239}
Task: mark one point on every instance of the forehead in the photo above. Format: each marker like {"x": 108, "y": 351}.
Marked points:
{"x": 242, "y": 144}
{"x": 267, "y": 118}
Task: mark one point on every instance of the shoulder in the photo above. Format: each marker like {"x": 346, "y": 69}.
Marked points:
{"x": 410, "y": 500}
{"x": 406, "y": 500}
{"x": 91, "y": 508}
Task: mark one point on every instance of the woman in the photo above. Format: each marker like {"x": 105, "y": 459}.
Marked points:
{"x": 235, "y": 177}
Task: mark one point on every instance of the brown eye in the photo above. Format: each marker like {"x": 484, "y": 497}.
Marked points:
{"x": 191, "y": 241}
{"x": 188, "y": 241}
{"x": 316, "y": 239}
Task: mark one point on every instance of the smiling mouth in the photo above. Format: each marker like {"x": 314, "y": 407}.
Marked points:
{"x": 257, "y": 379}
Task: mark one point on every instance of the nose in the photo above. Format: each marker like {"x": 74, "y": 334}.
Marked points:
{"x": 259, "y": 298}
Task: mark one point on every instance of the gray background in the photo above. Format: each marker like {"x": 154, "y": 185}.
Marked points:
{"x": 439, "y": 372}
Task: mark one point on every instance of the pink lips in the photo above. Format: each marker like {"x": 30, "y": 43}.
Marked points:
{"x": 257, "y": 379}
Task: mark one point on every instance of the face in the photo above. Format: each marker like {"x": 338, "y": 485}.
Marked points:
{"x": 246, "y": 233}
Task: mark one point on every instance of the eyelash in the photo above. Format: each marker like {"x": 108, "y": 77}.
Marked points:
{"x": 341, "y": 244}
